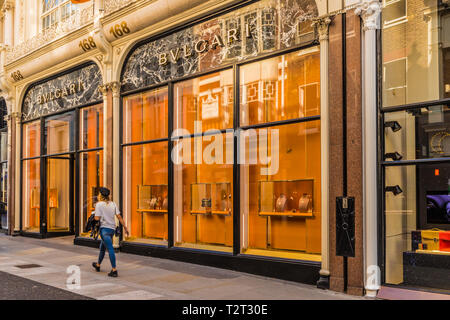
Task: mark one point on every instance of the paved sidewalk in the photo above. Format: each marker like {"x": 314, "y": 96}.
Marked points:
{"x": 142, "y": 277}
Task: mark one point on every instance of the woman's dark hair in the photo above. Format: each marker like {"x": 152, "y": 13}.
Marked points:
{"x": 104, "y": 194}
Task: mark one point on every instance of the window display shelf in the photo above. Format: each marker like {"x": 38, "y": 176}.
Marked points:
{"x": 222, "y": 213}
{"x": 446, "y": 253}
{"x": 152, "y": 211}
{"x": 211, "y": 198}
{"x": 286, "y": 198}
{"x": 287, "y": 214}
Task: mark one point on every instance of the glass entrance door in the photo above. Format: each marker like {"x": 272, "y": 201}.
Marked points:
{"x": 59, "y": 164}
{"x": 60, "y": 194}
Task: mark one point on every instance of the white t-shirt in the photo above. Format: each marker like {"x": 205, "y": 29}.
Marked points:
{"x": 107, "y": 212}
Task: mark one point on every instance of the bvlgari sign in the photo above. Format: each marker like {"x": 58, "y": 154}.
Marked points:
{"x": 201, "y": 46}
{"x": 71, "y": 89}
{"x": 262, "y": 27}
{"x": 58, "y": 93}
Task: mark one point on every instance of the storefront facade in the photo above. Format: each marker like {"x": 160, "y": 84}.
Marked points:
{"x": 415, "y": 149}
{"x": 238, "y": 134}
{"x": 61, "y": 167}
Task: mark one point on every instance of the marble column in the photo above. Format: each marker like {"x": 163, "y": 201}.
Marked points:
{"x": 322, "y": 26}
{"x": 369, "y": 11}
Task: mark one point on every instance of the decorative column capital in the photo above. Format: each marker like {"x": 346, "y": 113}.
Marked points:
{"x": 115, "y": 88}
{"x": 103, "y": 88}
{"x": 369, "y": 11}
{"x": 322, "y": 25}
{"x": 7, "y": 5}
{"x": 17, "y": 116}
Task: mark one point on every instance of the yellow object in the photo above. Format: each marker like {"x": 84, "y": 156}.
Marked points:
{"x": 430, "y": 239}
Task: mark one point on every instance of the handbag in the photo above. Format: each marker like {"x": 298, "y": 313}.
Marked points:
{"x": 430, "y": 239}
{"x": 118, "y": 230}
{"x": 444, "y": 241}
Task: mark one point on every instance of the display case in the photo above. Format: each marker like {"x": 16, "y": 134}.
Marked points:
{"x": 211, "y": 198}
{"x": 292, "y": 198}
{"x": 153, "y": 198}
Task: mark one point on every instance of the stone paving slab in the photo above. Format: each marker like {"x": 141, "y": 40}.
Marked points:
{"x": 142, "y": 278}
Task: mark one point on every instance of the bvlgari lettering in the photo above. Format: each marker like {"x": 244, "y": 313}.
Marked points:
{"x": 202, "y": 46}
{"x": 72, "y": 89}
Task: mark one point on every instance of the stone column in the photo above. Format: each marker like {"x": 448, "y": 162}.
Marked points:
{"x": 369, "y": 11}
{"x": 15, "y": 165}
{"x": 107, "y": 137}
{"x": 115, "y": 88}
{"x": 8, "y": 11}
{"x": 322, "y": 26}
{"x": 11, "y": 120}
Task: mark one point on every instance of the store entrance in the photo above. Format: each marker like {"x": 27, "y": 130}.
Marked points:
{"x": 59, "y": 217}
{"x": 59, "y": 164}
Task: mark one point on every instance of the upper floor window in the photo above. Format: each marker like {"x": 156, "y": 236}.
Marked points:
{"x": 54, "y": 11}
{"x": 394, "y": 12}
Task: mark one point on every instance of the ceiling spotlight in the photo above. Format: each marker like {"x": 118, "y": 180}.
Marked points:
{"x": 396, "y": 190}
{"x": 395, "y": 156}
{"x": 394, "y": 125}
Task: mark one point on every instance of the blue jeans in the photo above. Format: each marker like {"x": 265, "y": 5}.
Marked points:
{"x": 107, "y": 243}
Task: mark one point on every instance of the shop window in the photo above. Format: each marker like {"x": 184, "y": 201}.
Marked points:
{"x": 207, "y": 100}
{"x": 31, "y": 143}
{"x": 280, "y": 171}
{"x": 203, "y": 169}
{"x": 417, "y": 219}
{"x": 90, "y": 162}
{"x": 417, "y": 134}
{"x": 282, "y": 88}
{"x": 394, "y": 11}
{"x": 60, "y": 133}
{"x": 145, "y": 166}
{"x": 203, "y": 184}
{"x": 395, "y": 82}
{"x": 280, "y": 198}
{"x": 414, "y": 50}
{"x": 145, "y": 197}
{"x": 59, "y": 193}
{"x": 31, "y": 187}
{"x": 145, "y": 116}
{"x": 446, "y": 54}
{"x": 91, "y": 178}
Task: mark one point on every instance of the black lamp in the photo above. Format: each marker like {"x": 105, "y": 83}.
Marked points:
{"x": 393, "y": 155}
{"x": 394, "y": 125}
{"x": 396, "y": 190}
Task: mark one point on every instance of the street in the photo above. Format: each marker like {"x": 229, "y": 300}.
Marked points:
{"x": 38, "y": 269}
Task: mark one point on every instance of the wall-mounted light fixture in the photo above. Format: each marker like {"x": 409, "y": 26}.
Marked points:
{"x": 393, "y": 155}
{"x": 396, "y": 190}
{"x": 394, "y": 125}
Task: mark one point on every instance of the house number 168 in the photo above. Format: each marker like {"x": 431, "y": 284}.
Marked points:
{"x": 87, "y": 44}
{"x": 119, "y": 30}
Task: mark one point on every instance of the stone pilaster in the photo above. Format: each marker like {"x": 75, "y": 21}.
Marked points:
{"x": 370, "y": 14}
{"x": 322, "y": 25}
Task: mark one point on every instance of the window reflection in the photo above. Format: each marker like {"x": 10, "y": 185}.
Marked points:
{"x": 281, "y": 88}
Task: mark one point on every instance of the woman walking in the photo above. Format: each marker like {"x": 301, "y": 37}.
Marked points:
{"x": 105, "y": 212}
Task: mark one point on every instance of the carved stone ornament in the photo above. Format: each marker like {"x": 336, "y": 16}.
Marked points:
{"x": 322, "y": 25}
{"x": 369, "y": 11}
{"x": 258, "y": 28}
{"x": 79, "y": 87}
